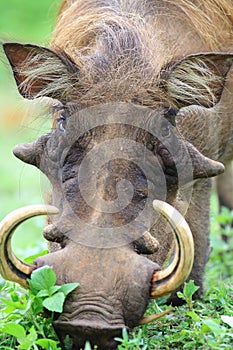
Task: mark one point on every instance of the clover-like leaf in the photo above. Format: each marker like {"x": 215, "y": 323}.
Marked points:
{"x": 68, "y": 288}
{"x": 42, "y": 278}
{"x": 55, "y": 302}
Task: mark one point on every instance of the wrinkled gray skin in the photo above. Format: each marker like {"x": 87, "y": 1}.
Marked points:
{"x": 115, "y": 282}
{"x": 114, "y": 279}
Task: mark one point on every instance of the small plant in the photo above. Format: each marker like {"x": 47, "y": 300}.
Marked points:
{"x": 22, "y": 324}
{"x": 189, "y": 290}
{"x": 46, "y": 293}
{"x": 131, "y": 344}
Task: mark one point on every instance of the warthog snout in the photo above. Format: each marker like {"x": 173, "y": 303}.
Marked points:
{"x": 107, "y": 300}
{"x": 98, "y": 333}
{"x": 115, "y": 283}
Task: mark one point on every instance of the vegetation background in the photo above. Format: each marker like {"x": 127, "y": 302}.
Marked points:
{"x": 198, "y": 327}
{"x": 26, "y": 21}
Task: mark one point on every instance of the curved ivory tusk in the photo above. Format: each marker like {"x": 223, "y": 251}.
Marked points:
{"x": 11, "y": 268}
{"x": 167, "y": 280}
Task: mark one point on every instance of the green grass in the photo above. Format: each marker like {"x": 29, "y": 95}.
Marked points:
{"x": 201, "y": 325}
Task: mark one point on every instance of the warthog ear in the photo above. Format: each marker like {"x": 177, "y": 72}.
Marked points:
{"x": 39, "y": 71}
{"x": 198, "y": 79}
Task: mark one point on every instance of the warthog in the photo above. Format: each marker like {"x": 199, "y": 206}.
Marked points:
{"x": 142, "y": 118}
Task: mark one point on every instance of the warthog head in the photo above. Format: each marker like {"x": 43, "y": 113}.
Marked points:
{"x": 107, "y": 163}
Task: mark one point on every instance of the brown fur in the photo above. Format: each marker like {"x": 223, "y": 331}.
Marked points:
{"x": 211, "y": 20}
{"x": 121, "y": 47}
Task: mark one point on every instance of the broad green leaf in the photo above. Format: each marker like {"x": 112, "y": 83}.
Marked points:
{"x": 14, "y": 304}
{"x": 33, "y": 290}
{"x": 43, "y": 293}
{"x": 213, "y": 326}
{"x": 68, "y": 287}
{"x": 193, "y": 315}
{"x": 14, "y": 329}
{"x": 42, "y": 278}
{"x": 47, "y": 344}
{"x": 190, "y": 289}
{"x": 55, "y": 302}
{"x": 54, "y": 289}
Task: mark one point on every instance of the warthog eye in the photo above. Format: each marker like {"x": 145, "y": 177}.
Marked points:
{"x": 165, "y": 130}
{"x": 61, "y": 123}
{"x": 59, "y": 117}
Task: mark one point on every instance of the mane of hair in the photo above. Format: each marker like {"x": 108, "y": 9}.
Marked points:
{"x": 121, "y": 47}
{"x": 211, "y": 19}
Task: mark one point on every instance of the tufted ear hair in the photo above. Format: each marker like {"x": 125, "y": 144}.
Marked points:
{"x": 197, "y": 79}
{"x": 39, "y": 71}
